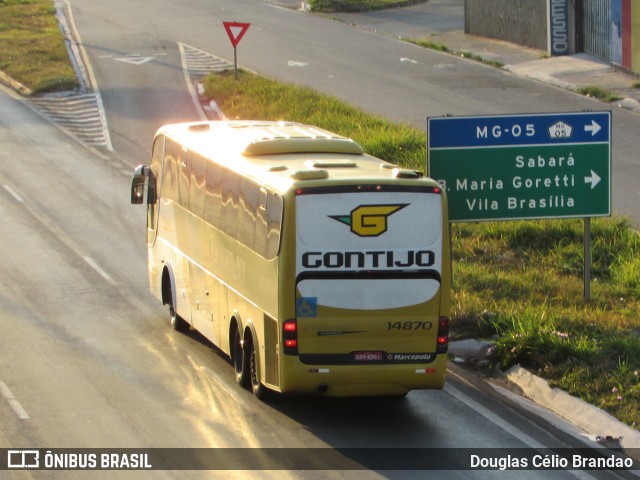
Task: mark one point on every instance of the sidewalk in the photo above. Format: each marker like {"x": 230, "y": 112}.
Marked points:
{"x": 442, "y": 22}
{"x": 570, "y": 72}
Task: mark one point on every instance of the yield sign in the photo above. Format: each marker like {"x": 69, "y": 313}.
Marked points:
{"x": 236, "y": 31}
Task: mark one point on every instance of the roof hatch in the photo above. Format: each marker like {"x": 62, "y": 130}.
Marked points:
{"x": 296, "y": 138}
{"x": 332, "y": 163}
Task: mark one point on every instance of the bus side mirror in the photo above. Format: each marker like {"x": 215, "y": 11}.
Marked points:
{"x": 137, "y": 184}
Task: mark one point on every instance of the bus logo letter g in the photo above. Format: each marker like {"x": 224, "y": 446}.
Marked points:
{"x": 369, "y": 220}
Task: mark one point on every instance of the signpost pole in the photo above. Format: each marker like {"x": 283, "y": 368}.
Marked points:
{"x": 587, "y": 258}
{"x": 235, "y": 63}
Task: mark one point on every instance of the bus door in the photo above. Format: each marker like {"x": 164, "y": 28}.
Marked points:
{"x": 183, "y": 225}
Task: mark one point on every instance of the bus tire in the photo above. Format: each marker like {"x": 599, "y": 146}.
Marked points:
{"x": 258, "y": 389}
{"x": 168, "y": 293}
{"x": 240, "y": 358}
{"x": 178, "y": 323}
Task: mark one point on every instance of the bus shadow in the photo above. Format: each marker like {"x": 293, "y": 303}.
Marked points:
{"x": 389, "y": 435}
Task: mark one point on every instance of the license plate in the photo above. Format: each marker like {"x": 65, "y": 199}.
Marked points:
{"x": 367, "y": 356}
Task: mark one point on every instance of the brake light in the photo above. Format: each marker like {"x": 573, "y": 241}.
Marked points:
{"x": 290, "y": 337}
{"x": 443, "y": 335}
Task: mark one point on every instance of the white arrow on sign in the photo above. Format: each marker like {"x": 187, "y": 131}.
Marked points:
{"x": 593, "y": 128}
{"x": 594, "y": 179}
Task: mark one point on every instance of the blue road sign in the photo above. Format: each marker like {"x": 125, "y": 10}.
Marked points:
{"x": 537, "y": 129}
{"x": 547, "y": 165}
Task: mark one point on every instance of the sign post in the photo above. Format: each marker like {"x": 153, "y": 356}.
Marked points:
{"x": 236, "y": 31}
{"x": 518, "y": 167}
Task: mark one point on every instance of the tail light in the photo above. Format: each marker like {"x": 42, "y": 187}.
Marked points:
{"x": 290, "y": 337}
{"x": 443, "y": 335}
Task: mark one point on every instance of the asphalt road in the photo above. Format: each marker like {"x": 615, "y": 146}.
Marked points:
{"x": 373, "y": 71}
{"x": 90, "y": 358}
{"x": 87, "y": 353}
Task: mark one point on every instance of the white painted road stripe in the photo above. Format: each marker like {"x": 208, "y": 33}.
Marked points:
{"x": 15, "y": 405}
{"x": 13, "y": 193}
{"x": 97, "y": 268}
{"x": 506, "y": 426}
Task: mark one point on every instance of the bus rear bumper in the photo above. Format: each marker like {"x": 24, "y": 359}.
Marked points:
{"x": 364, "y": 380}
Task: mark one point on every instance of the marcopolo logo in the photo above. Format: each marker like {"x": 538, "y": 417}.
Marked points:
{"x": 369, "y": 220}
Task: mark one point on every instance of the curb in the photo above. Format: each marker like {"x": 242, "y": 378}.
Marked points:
{"x": 15, "y": 85}
{"x": 589, "y": 418}
{"x": 603, "y": 428}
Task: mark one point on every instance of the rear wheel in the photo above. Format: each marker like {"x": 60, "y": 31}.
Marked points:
{"x": 257, "y": 387}
{"x": 240, "y": 359}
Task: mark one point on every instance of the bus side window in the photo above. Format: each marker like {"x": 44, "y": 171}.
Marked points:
{"x": 197, "y": 185}
{"x": 261, "y": 222}
{"x": 230, "y": 199}
{"x": 247, "y": 207}
{"x": 156, "y": 171}
{"x": 213, "y": 194}
{"x": 169, "y": 171}
{"x": 274, "y": 225}
{"x": 184, "y": 174}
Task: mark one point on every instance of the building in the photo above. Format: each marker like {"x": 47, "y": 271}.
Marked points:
{"x": 609, "y": 29}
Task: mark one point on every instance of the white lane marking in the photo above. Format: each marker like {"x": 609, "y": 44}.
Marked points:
{"x": 492, "y": 417}
{"x": 410, "y": 60}
{"x": 83, "y": 64}
{"x": 15, "y": 404}
{"x": 97, "y": 268}
{"x": 190, "y": 87}
{"x": 507, "y": 427}
{"x": 294, "y": 63}
{"x": 13, "y": 193}
{"x": 134, "y": 59}
{"x": 59, "y": 233}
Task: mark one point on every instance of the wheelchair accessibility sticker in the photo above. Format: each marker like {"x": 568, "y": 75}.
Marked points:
{"x": 307, "y": 307}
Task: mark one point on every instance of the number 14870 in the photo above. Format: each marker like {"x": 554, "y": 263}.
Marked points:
{"x": 409, "y": 325}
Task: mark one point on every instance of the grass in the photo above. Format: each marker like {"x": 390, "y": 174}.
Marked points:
{"x": 519, "y": 283}
{"x": 536, "y": 312}
{"x": 260, "y": 98}
{"x": 425, "y": 43}
{"x": 356, "y": 5}
{"x": 32, "y": 48}
{"x": 462, "y": 53}
{"x": 599, "y": 93}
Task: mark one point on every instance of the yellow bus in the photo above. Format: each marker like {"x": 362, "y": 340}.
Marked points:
{"x": 316, "y": 267}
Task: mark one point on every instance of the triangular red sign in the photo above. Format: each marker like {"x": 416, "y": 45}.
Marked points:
{"x": 236, "y": 31}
